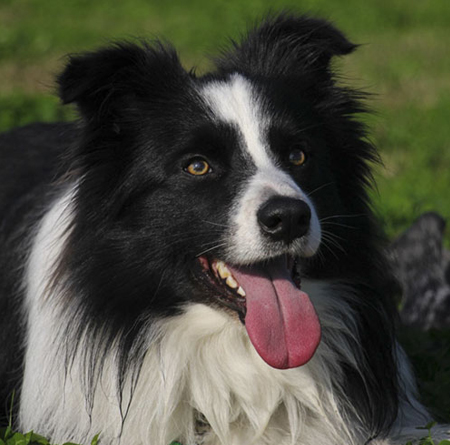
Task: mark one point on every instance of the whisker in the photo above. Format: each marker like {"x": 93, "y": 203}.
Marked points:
{"x": 214, "y": 224}
{"x": 357, "y": 215}
{"x": 333, "y": 235}
{"x": 160, "y": 282}
{"x": 302, "y": 130}
{"x": 325, "y": 245}
{"x": 321, "y": 256}
{"x": 211, "y": 248}
{"x": 211, "y": 243}
{"x": 320, "y": 187}
{"x": 328, "y": 223}
{"x": 331, "y": 243}
{"x": 331, "y": 239}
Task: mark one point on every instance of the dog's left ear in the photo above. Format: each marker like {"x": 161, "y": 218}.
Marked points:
{"x": 286, "y": 45}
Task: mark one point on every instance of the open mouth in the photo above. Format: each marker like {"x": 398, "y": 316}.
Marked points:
{"x": 226, "y": 288}
{"x": 279, "y": 317}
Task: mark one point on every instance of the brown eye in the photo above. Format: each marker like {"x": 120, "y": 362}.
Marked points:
{"x": 297, "y": 157}
{"x": 198, "y": 167}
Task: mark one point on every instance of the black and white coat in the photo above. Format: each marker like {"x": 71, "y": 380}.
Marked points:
{"x": 124, "y": 331}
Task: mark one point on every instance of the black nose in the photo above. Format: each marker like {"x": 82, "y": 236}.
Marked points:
{"x": 284, "y": 219}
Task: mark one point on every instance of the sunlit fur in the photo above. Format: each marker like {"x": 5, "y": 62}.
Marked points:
{"x": 198, "y": 362}
{"x": 107, "y": 325}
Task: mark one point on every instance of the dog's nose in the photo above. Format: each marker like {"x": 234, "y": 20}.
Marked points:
{"x": 284, "y": 219}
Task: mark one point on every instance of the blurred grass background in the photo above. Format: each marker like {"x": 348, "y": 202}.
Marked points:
{"x": 404, "y": 61}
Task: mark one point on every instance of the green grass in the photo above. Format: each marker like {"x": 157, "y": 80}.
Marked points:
{"x": 404, "y": 61}
{"x": 10, "y": 437}
{"x": 427, "y": 439}
{"x": 430, "y": 356}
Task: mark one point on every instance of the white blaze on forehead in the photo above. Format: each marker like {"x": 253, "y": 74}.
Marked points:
{"x": 235, "y": 102}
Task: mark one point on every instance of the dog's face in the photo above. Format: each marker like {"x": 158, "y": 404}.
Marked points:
{"x": 270, "y": 215}
{"x": 211, "y": 189}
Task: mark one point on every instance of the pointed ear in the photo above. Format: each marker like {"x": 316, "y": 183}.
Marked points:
{"x": 286, "y": 45}
{"x": 101, "y": 82}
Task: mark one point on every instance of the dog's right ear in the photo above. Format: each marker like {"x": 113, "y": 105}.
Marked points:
{"x": 101, "y": 83}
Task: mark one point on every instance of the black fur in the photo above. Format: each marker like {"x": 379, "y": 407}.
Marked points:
{"x": 139, "y": 220}
{"x": 27, "y": 166}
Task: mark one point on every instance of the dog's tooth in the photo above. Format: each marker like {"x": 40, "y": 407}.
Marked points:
{"x": 231, "y": 282}
{"x": 223, "y": 270}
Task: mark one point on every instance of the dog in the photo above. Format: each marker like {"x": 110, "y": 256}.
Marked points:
{"x": 196, "y": 259}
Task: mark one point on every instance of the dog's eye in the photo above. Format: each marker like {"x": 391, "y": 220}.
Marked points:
{"x": 297, "y": 157}
{"x": 198, "y": 167}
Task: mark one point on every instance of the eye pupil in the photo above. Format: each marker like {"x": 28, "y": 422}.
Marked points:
{"x": 198, "y": 167}
{"x": 297, "y": 157}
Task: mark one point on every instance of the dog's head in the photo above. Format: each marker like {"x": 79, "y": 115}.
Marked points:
{"x": 223, "y": 188}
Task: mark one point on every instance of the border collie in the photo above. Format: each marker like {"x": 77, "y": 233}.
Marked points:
{"x": 196, "y": 258}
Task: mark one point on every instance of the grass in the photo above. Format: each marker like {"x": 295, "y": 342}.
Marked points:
{"x": 9, "y": 437}
{"x": 404, "y": 61}
{"x": 428, "y": 439}
{"x": 429, "y": 353}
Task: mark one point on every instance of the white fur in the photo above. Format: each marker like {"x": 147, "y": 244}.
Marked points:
{"x": 199, "y": 362}
{"x": 234, "y": 102}
{"x": 44, "y": 374}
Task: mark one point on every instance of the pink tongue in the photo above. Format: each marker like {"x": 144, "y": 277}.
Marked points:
{"x": 281, "y": 320}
